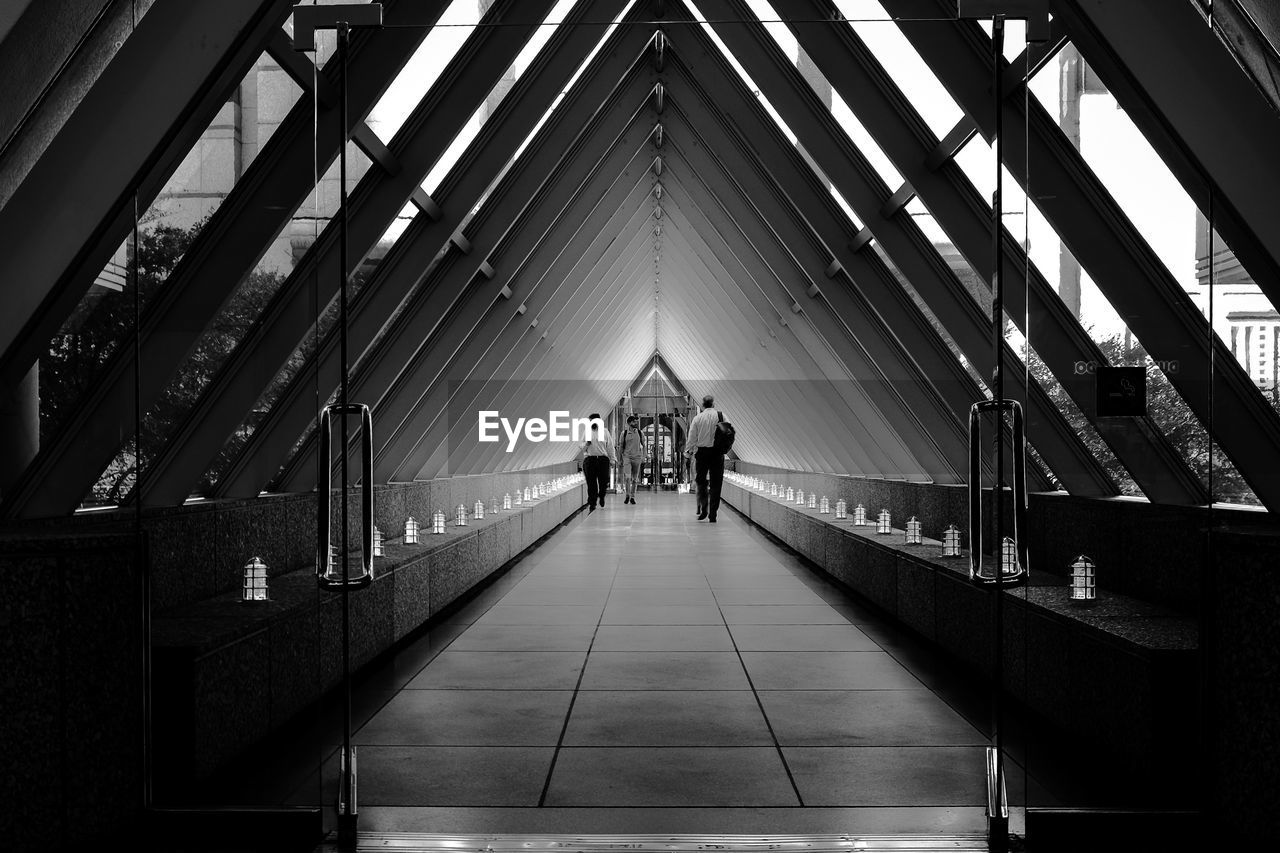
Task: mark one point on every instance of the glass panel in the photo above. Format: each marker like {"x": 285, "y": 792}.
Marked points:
{"x": 175, "y": 218}
{"x": 873, "y": 25}
{"x": 431, "y": 57}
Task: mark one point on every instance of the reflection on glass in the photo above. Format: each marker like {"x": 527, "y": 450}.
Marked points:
{"x": 196, "y": 189}
{"x": 235, "y": 318}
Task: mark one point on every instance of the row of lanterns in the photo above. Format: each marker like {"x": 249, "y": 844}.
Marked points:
{"x": 413, "y": 529}
{"x": 1083, "y": 579}
{"x": 254, "y": 585}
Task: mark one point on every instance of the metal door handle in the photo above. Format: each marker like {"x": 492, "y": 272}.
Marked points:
{"x": 329, "y": 574}
{"x": 976, "y": 574}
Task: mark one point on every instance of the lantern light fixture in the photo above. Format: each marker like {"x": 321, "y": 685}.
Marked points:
{"x": 800, "y": 497}
{"x": 478, "y": 511}
{"x": 437, "y": 521}
{"x": 411, "y": 531}
{"x": 506, "y": 501}
{"x": 813, "y": 501}
{"x": 378, "y": 542}
{"x": 1009, "y": 557}
{"x": 842, "y": 511}
{"x": 255, "y": 581}
{"x": 882, "y": 524}
{"x": 951, "y": 541}
{"x": 460, "y": 515}
{"x": 1084, "y": 582}
{"x": 791, "y": 494}
{"x": 915, "y": 532}
{"x": 860, "y": 515}
{"x": 824, "y": 507}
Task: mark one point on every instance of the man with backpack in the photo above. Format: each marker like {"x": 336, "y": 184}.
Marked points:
{"x": 710, "y": 437}
{"x": 631, "y": 455}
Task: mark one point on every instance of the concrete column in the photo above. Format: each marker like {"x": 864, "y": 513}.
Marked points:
{"x": 19, "y": 427}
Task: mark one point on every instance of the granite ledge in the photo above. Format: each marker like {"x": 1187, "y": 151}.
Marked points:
{"x": 1140, "y": 626}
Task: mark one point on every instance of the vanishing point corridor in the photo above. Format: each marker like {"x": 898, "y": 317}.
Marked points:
{"x": 641, "y": 671}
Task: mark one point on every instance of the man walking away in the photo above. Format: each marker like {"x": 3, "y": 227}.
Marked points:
{"x": 630, "y": 457}
{"x": 596, "y": 461}
{"x": 707, "y": 460}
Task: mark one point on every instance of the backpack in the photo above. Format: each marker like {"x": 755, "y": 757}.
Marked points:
{"x": 725, "y": 434}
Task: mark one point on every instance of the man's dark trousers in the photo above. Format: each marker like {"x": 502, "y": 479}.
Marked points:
{"x": 596, "y": 470}
{"x": 708, "y": 465}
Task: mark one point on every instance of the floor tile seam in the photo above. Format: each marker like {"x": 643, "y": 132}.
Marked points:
{"x": 430, "y": 660}
{"x": 564, "y": 727}
{"x": 768, "y": 723}
{"x": 881, "y": 646}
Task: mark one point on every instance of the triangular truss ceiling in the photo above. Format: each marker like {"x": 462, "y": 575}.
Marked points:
{"x": 658, "y": 224}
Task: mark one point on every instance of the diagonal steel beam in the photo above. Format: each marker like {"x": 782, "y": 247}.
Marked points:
{"x": 886, "y": 422}
{"x": 215, "y": 263}
{"x": 770, "y": 401}
{"x": 1210, "y": 124}
{"x": 372, "y": 206}
{"x": 1121, "y": 263}
{"x": 542, "y": 290}
{"x": 396, "y": 370}
{"x": 939, "y": 394}
{"x": 908, "y": 247}
{"x": 951, "y": 198}
{"x": 402, "y": 273}
{"x": 538, "y": 366}
{"x": 524, "y": 356}
{"x": 75, "y": 205}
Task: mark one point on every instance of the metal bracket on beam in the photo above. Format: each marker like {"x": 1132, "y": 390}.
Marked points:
{"x": 659, "y": 97}
{"x": 657, "y": 166}
{"x": 534, "y": 323}
{"x": 301, "y": 69}
{"x": 832, "y": 269}
{"x": 505, "y": 293}
{"x": 523, "y": 308}
{"x": 371, "y": 145}
{"x": 659, "y": 50}
{"x": 795, "y": 308}
{"x": 657, "y": 190}
{"x": 460, "y": 240}
{"x": 813, "y": 291}
{"x": 956, "y": 139}
{"x": 898, "y": 200}
{"x": 658, "y": 134}
{"x": 860, "y": 240}
{"x": 426, "y": 204}
{"x": 486, "y": 270}
{"x": 307, "y": 19}
{"x": 657, "y": 211}
{"x": 1034, "y": 12}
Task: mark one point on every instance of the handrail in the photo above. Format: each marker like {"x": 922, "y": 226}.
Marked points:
{"x": 328, "y": 574}
{"x": 1019, "y": 574}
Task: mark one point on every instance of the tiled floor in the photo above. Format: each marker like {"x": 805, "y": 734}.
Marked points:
{"x": 643, "y": 671}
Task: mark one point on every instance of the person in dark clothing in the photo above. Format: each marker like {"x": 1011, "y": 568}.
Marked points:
{"x": 708, "y": 461}
{"x": 596, "y": 459}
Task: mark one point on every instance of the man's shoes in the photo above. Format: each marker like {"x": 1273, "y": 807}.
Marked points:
{"x": 701, "y": 516}
{"x": 591, "y": 508}
{"x": 712, "y": 519}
